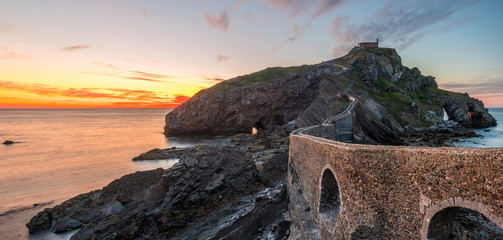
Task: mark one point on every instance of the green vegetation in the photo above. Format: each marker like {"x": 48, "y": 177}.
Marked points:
{"x": 268, "y": 74}
{"x": 346, "y": 63}
{"x": 359, "y": 54}
{"x": 400, "y": 105}
{"x": 423, "y": 94}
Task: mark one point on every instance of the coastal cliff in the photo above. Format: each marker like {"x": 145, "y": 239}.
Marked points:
{"x": 393, "y": 99}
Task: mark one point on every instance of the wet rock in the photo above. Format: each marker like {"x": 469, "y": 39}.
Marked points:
{"x": 274, "y": 170}
{"x": 161, "y": 204}
{"x": 92, "y": 207}
{"x": 64, "y": 224}
{"x": 41, "y": 222}
{"x": 156, "y": 154}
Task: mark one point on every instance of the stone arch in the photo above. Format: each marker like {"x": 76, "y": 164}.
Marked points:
{"x": 446, "y": 216}
{"x": 330, "y": 197}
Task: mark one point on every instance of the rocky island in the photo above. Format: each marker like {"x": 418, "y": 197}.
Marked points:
{"x": 240, "y": 191}
{"x": 395, "y": 101}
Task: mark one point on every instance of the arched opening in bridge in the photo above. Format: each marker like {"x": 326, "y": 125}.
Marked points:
{"x": 330, "y": 202}
{"x": 462, "y": 223}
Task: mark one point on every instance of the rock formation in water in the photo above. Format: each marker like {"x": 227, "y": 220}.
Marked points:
{"x": 392, "y": 99}
{"x": 209, "y": 194}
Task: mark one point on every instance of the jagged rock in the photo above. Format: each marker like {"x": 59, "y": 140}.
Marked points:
{"x": 64, "y": 224}
{"x": 380, "y": 62}
{"x": 394, "y": 89}
{"x": 267, "y": 99}
{"x": 467, "y": 111}
{"x": 206, "y": 185}
{"x": 156, "y": 154}
{"x": 415, "y": 81}
{"x": 95, "y": 206}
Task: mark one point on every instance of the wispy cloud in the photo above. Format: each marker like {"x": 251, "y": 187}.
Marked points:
{"x": 152, "y": 75}
{"x": 400, "y": 23}
{"x": 5, "y": 53}
{"x": 124, "y": 97}
{"x": 138, "y": 76}
{"x": 48, "y": 90}
{"x": 491, "y": 86}
{"x": 75, "y": 48}
{"x": 301, "y": 8}
{"x": 222, "y": 58}
{"x": 107, "y": 65}
{"x": 180, "y": 99}
{"x": 145, "y": 79}
{"x": 215, "y": 79}
{"x": 218, "y": 21}
{"x": 315, "y": 8}
{"x": 212, "y": 79}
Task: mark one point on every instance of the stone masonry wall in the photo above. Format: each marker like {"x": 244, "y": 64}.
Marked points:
{"x": 390, "y": 192}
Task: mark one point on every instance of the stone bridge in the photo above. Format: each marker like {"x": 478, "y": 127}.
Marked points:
{"x": 350, "y": 191}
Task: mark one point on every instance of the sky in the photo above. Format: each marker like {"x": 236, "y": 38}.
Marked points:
{"x": 158, "y": 53}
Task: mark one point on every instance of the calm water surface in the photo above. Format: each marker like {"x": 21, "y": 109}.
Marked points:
{"x": 65, "y": 152}
{"x": 491, "y": 137}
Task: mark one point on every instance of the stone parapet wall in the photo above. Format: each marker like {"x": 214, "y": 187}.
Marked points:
{"x": 391, "y": 192}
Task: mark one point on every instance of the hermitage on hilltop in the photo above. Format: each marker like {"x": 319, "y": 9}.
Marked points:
{"x": 369, "y": 44}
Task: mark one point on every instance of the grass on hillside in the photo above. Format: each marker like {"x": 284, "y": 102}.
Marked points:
{"x": 268, "y": 74}
{"x": 400, "y": 105}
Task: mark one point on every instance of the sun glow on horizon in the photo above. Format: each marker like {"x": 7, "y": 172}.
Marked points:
{"x": 160, "y": 53}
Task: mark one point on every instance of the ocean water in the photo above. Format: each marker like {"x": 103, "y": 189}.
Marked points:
{"x": 64, "y": 152}
{"x": 490, "y": 137}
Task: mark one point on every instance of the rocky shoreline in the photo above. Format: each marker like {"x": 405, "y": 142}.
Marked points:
{"x": 212, "y": 192}
{"x": 233, "y": 192}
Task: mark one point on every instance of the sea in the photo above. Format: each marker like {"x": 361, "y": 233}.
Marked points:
{"x": 489, "y": 137}
{"x": 60, "y": 153}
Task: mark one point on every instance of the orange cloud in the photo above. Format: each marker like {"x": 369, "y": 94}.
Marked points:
{"x": 151, "y": 75}
{"x": 64, "y": 96}
{"x": 180, "y": 99}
